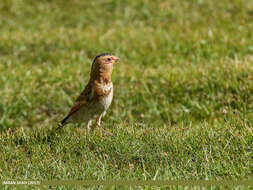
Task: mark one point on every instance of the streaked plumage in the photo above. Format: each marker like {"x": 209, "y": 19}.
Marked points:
{"x": 97, "y": 95}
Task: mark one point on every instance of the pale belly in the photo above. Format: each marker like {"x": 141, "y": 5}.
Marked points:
{"x": 106, "y": 101}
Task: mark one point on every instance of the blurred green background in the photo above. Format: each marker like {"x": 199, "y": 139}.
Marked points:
{"x": 182, "y": 105}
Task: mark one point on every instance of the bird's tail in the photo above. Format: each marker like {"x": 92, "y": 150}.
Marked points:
{"x": 63, "y": 122}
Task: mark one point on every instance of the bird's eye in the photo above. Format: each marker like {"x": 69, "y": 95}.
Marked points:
{"x": 108, "y": 59}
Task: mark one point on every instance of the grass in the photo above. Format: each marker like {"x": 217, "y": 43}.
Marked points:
{"x": 182, "y": 105}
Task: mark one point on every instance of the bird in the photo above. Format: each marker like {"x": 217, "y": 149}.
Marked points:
{"x": 96, "y": 97}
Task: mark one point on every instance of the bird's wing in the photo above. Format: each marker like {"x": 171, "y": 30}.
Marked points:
{"x": 86, "y": 96}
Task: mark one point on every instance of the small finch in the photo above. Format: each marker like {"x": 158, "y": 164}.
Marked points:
{"x": 97, "y": 95}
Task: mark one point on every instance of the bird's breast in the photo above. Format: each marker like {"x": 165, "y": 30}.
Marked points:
{"x": 106, "y": 99}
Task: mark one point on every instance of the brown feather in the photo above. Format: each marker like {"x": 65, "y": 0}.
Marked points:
{"x": 95, "y": 90}
{"x": 84, "y": 97}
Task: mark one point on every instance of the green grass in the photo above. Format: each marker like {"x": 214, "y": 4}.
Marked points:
{"x": 183, "y": 104}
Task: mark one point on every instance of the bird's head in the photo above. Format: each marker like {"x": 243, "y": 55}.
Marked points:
{"x": 106, "y": 59}
{"x": 103, "y": 63}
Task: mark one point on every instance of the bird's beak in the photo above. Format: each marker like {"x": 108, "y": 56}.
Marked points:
{"x": 116, "y": 59}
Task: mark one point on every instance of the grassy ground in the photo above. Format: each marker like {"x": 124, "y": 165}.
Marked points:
{"x": 183, "y": 89}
